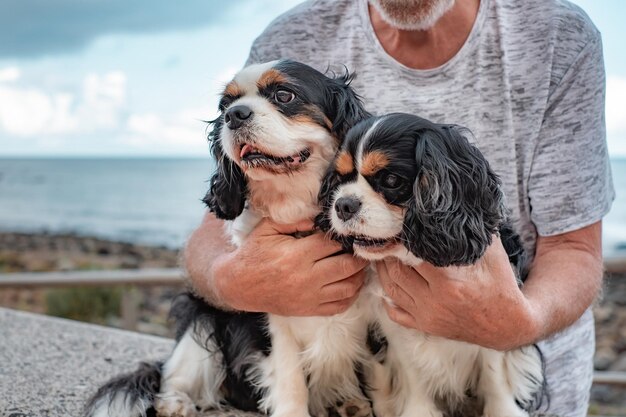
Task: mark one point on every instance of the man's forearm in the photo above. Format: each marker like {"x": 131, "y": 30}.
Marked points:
{"x": 204, "y": 248}
{"x": 272, "y": 271}
{"x": 565, "y": 278}
{"x": 481, "y": 303}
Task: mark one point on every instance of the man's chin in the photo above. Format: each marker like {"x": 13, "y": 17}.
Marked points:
{"x": 412, "y": 15}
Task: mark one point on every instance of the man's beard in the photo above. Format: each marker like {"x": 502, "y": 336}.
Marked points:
{"x": 412, "y": 14}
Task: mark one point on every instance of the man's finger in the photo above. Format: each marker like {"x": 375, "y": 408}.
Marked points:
{"x": 404, "y": 276}
{"x": 400, "y": 316}
{"x": 317, "y": 246}
{"x": 398, "y": 295}
{"x": 335, "y": 307}
{"x": 338, "y": 267}
{"x": 344, "y": 289}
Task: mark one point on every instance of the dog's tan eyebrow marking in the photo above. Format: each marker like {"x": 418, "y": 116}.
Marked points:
{"x": 373, "y": 162}
{"x": 313, "y": 115}
{"x": 233, "y": 89}
{"x": 269, "y": 77}
{"x": 344, "y": 163}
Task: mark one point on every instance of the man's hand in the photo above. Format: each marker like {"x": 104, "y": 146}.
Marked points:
{"x": 480, "y": 303}
{"x": 277, "y": 273}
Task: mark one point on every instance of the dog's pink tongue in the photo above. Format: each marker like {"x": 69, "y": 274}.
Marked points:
{"x": 245, "y": 149}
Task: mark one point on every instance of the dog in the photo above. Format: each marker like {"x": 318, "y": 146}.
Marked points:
{"x": 404, "y": 187}
{"x": 280, "y": 126}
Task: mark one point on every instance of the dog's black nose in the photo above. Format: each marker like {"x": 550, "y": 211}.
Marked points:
{"x": 347, "y": 207}
{"x": 236, "y": 116}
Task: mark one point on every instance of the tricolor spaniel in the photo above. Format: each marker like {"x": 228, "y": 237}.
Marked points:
{"x": 280, "y": 125}
{"x": 404, "y": 187}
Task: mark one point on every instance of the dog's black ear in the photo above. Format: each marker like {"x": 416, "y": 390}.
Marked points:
{"x": 228, "y": 189}
{"x": 345, "y": 106}
{"x": 325, "y": 198}
{"x": 458, "y": 202}
{"x": 518, "y": 257}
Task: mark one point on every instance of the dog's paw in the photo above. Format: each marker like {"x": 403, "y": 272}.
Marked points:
{"x": 352, "y": 408}
{"x": 175, "y": 404}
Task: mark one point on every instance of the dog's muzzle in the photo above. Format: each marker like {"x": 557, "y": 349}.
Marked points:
{"x": 237, "y": 116}
{"x": 347, "y": 207}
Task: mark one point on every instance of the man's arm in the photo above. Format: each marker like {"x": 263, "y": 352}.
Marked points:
{"x": 565, "y": 278}
{"x": 206, "y": 244}
{"x": 272, "y": 271}
{"x": 481, "y": 303}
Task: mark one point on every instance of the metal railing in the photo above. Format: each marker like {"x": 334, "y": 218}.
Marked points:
{"x": 609, "y": 378}
{"x": 615, "y": 266}
{"x": 148, "y": 276}
{"x": 139, "y": 277}
{"x": 174, "y": 276}
{"x": 129, "y": 309}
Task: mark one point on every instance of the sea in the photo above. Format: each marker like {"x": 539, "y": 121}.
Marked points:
{"x": 152, "y": 201}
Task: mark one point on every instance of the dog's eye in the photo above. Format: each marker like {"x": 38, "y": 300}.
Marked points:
{"x": 284, "y": 96}
{"x": 391, "y": 180}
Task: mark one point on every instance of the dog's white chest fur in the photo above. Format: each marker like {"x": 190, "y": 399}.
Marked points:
{"x": 327, "y": 350}
{"x": 315, "y": 355}
{"x": 427, "y": 367}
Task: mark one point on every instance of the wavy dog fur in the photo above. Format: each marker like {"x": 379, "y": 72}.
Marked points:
{"x": 279, "y": 127}
{"x": 420, "y": 191}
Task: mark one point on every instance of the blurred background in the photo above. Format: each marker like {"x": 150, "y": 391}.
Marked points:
{"x": 104, "y": 160}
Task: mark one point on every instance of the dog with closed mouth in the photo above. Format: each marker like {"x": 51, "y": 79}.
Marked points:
{"x": 404, "y": 187}
{"x": 279, "y": 127}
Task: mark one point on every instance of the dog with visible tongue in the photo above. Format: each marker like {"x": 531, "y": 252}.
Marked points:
{"x": 252, "y": 157}
{"x": 279, "y": 127}
{"x": 281, "y": 124}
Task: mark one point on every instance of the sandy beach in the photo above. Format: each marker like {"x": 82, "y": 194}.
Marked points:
{"x": 21, "y": 252}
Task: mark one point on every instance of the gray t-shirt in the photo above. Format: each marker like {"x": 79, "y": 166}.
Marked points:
{"x": 529, "y": 83}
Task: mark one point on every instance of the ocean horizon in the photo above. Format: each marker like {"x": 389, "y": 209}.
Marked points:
{"x": 152, "y": 200}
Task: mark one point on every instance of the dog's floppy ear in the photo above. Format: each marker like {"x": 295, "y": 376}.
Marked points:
{"x": 518, "y": 257}
{"x": 457, "y": 204}
{"x": 325, "y": 198}
{"x": 228, "y": 190}
{"x": 345, "y": 105}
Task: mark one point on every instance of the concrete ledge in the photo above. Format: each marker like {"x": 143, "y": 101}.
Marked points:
{"x": 50, "y": 366}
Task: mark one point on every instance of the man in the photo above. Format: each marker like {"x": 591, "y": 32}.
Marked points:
{"x": 527, "y": 78}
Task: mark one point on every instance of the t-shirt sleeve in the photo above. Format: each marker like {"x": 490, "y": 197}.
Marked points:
{"x": 253, "y": 56}
{"x": 570, "y": 184}
{"x": 269, "y": 45}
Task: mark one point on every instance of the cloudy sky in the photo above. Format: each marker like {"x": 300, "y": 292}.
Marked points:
{"x": 117, "y": 77}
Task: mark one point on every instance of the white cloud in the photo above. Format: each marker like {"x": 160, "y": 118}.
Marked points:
{"x": 215, "y": 89}
{"x": 28, "y": 111}
{"x": 226, "y": 75}
{"x": 182, "y": 132}
{"x": 616, "y": 104}
{"x": 10, "y": 74}
{"x": 98, "y": 106}
{"x": 616, "y": 115}
{"x": 104, "y": 97}
{"x": 110, "y": 87}
{"x": 24, "y": 112}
